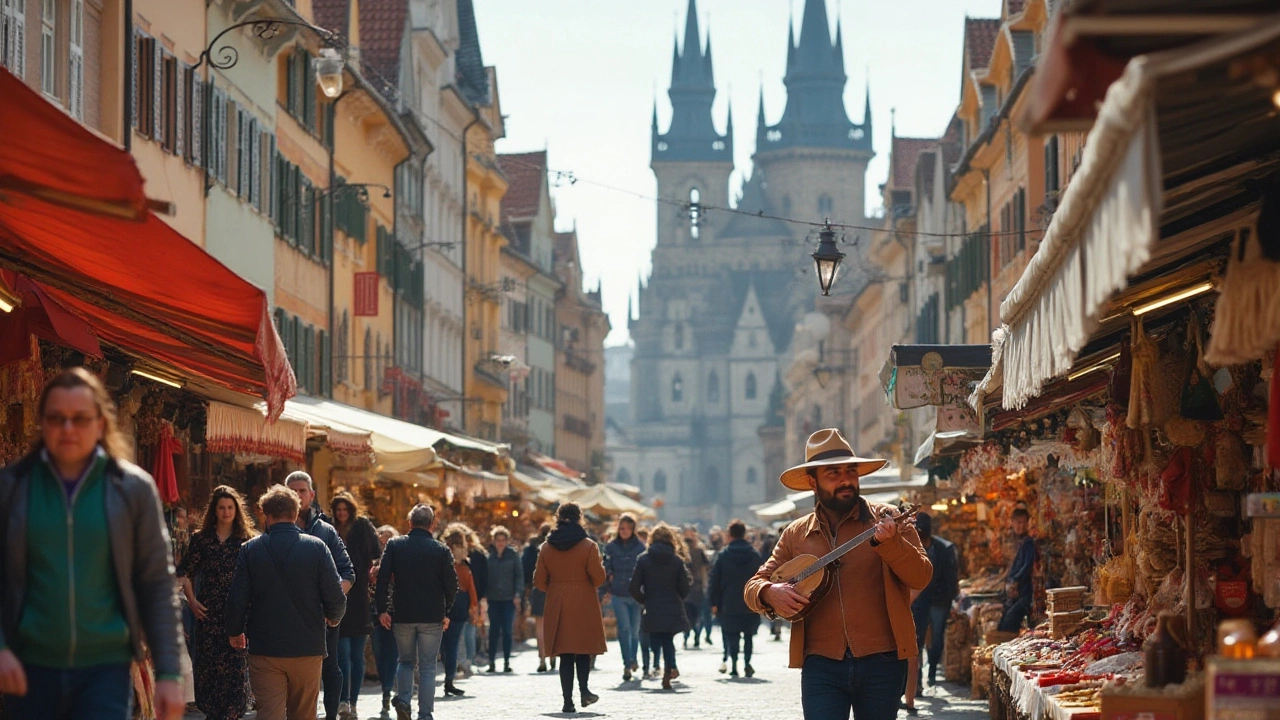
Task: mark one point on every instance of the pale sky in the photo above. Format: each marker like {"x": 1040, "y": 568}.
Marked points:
{"x": 579, "y": 77}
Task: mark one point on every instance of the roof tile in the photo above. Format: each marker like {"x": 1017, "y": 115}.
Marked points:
{"x": 331, "y": 15}
{"x": 382, "y": 29}
{"x": 904, "y": 154}
{"x": 525, "y": 173}
{"x": 980, "y": 40}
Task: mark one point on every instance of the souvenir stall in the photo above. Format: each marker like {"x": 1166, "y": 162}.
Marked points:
{"x": 1176, "y": 197}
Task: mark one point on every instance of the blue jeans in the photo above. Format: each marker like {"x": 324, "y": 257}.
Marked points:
{"x": 385, "y": 655}
{"x": 418, "y": 642}
{"x": 452, "y": 639}
{"x": 351, "y": 660}
{"x": 931, "y": 616}
{"x": 627, "y": 612}
{"x": 331, "y": 673}
{"x": 468, "y": 648}
{"x": 869, "y": 686}
{"x": 100, "y": 692}
{"x": 502, "y": 615}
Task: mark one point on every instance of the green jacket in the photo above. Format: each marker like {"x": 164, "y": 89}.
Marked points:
{"x": 72, "y": 616}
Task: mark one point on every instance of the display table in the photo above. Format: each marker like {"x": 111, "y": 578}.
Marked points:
{"x": 1019, "y": 697}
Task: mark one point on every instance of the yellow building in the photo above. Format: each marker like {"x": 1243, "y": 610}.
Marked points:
{"x": 582, "y": 326}
{"x": 484, "y": 373}
{"x": 1007, "y": 181}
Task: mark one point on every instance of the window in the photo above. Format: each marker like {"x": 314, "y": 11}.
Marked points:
{"x": 367, "y": 360}
{"x": 695, "y": 212}
{"x": 13, "y": 36}
{"x": 753, "y": 477}
{"x": 192, "y": 112}
{"x": 751, "y": 386}
{"x": 75, "y": 60}
{"x": 145, "y": 69}
{"x": 350, "y": 214}
{"x": 677, "y": 389}
{"x": 678, "y": 333}
{"x": 751, "y": 339}
{"x": 825, "y": 206}
{"x": 1052, "y": 178}
{"x": 48, "y": 47}
{"x": 168, "y": 129}
{"x": 713, "y": 387}
{"x": 660, "y": 482}
{"x": 300, "y": 89}
{"x": 217, "y": 161}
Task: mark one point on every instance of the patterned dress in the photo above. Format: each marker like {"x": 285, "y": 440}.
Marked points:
{"x": 220, "y": 669}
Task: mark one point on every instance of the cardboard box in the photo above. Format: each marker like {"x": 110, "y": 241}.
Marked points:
{"x": 1243, "y": 690}
{"x": 1154, "y": 704}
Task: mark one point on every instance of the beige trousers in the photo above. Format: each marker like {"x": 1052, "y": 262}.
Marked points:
{"x": 286, "y": 688}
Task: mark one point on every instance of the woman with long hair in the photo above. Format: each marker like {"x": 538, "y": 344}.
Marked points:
{"x": 661, "y": 583}
{"x": 385, "y": 653}
{"x": 466, "y": 606}
{"x": 361, "y": 538}
{"x": 477, "y": 563}
{"x": 569, "y": 570}
{"x": 698, "y": 570}
{"x": 219, "y": 668}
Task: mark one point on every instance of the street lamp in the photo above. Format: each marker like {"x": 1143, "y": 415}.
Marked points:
{"x": 363, "y": 189}
{"x": 329, "y": 67}
{"x": 827, "y": 257}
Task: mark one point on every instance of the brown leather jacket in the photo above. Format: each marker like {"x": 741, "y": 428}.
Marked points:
{"x": 906, "y": 567}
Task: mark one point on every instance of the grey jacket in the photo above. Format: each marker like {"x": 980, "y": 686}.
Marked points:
{"x": 506, "y": 575}
{"x": 140, "y": 548}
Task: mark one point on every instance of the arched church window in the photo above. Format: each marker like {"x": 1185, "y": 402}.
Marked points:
{"x": 825, "y": 205}
{"x": 713, "y": 387}
{"x": 786, "y": 205}
{"x": 660, "y": 481}
{"x": 677, "y": 389}
{"x": 751, "y": 386}
{"x": 753, "y": 477}
{"x": 678, "y": 334}
{"x": 695, "y": 212}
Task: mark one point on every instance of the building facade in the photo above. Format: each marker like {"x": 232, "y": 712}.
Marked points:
{"x": 721, "y": 303}
{"x": 581, "y": 327}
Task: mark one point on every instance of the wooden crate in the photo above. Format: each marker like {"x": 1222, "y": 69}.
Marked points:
{"x": 1065, "y": 600}
{"x": 1064, "y": 624}
{"x": 1153, "y": 704}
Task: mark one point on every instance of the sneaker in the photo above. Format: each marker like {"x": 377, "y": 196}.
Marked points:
{"x": 589, "y": 698}
{"x": 403, "y": 711}
{"x": 724, "y": 667}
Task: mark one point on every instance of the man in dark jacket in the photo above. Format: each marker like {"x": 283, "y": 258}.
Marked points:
{"x": 312, "y": 522}
{"x": 86, "y": 567}
{"x": 734, "y": 566}
{"x": 1018, "y": 586}
{"x": 506, "y": 586}
{"x": 932, "y": 607}
{"x": 620, "y": 557}
{"x": 426, "y": 583}
{"x": 284, "y": 592}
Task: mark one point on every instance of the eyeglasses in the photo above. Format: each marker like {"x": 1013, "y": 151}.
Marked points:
{"x": 79, "y": 422}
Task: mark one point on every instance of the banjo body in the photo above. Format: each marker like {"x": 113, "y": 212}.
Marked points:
{"x": 812, "y": 576}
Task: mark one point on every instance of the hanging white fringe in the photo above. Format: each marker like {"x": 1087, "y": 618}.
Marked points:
{"x": 234, "y": 429}
{"x": 1246, "y": 323}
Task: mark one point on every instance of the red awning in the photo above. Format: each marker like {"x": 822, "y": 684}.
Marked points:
{"x": 74, "y": 218}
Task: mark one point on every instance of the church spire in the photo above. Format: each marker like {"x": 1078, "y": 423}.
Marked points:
{"x": 692, "y": 135}
{"x": 866, "y": 109}
{"x": 815, "y": 115}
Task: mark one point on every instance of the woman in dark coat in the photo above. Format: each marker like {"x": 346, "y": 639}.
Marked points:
{"x": 219, "y": 668}
{"x": 569, "y": 570}
{"x": 734, "y": 566}
{"x": 361, "y": 539}
{"x": 661, "y": 583}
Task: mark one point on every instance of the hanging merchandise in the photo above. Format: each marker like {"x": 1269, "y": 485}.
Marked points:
{"x": 1230, "y": 469}
{"x": 162, "y": 468}
{"x": 1199, "y": 401}
{"x": 1273, "y": 414}
{"x": 1175, "y": 482}
{"x": 1146, "y": 357}
{"x": 1246, "y": 320}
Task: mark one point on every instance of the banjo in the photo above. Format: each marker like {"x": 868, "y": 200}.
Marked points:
{"x": 811, "y": 576}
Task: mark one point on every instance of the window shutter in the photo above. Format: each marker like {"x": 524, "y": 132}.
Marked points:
{"x": 195, "y": 143}
{"x": 307, "y": 236}
{"x": 326, "y": 364}
{"x": 19, "y": 47}
{"x": 75, "y": 65}
{"x": 136, "y": 89}
{"x": 326, "y": 230}
{"x": 308, "y": 92}
{"x": 222, "y": 152}
{"x": 157, "y": 89}
{"x": 255, "y": 170}
{"x": 269, "y": 177}
{"x": 179, "y": 108}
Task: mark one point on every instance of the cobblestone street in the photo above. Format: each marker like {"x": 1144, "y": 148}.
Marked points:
{"x": 701, "y": 692}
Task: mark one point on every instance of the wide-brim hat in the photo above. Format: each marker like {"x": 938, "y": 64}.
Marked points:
{"x": 827, "y": 447}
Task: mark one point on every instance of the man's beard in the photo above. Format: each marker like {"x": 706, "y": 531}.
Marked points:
{"x": 837, "y": 504}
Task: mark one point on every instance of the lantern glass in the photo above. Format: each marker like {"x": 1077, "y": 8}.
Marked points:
{"x": 827, "y": 269}
{"x": 329, "y": 72}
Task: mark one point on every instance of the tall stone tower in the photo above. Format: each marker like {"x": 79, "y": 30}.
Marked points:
{"x": 717, "y": 312}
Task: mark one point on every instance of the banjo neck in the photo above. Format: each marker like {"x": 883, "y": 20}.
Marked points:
{"x": 840, "y": 551}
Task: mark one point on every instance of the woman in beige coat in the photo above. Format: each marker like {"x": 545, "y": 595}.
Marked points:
{"x": 569, "y": 570}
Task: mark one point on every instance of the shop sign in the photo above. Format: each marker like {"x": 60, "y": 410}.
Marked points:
{"x": 366, "y": 294}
